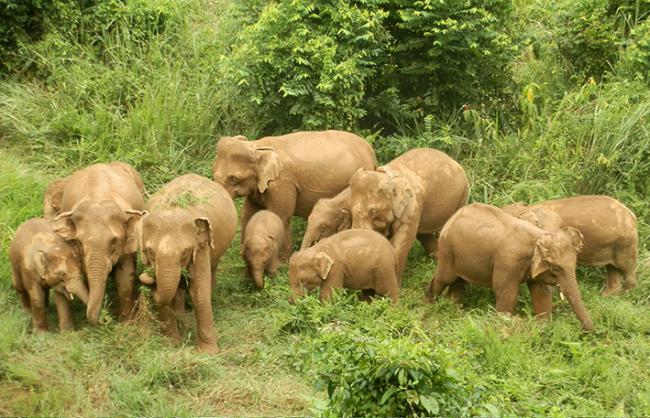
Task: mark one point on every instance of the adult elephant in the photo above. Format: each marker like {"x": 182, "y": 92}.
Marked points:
{"x": 191, "y": 223}
{"x": 96, "y": 210}
{"x": 288, "y": 174}
{"x": 410, "y": 197}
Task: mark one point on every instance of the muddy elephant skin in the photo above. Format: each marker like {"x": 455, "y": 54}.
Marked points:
{"x": 485, "y": 246}
{"x": 353, "y": 259}
{"x": 263, "y": 240}
{"x": 410, "y": 197}
{"x": 189, "y": 224}
{"x": 96, "y": 210}
{"x": 41, "y": 260}
{"x": 288, "y": 174}
{"x": 609, "y": 229}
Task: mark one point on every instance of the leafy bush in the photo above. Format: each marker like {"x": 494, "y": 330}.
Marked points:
{"x": 332, "y": 63}
{"x": 635, "y": 60}
{"x": 370, "y": 376}
{"x": 587, "y": 38}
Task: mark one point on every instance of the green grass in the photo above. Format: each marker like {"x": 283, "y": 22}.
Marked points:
{"x": 161, "y": 107}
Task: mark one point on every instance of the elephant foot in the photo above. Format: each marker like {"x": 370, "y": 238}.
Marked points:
{"x": 68, "y": 326}
{"x": 611, "y": 291}
{"x": 208, "y": 348}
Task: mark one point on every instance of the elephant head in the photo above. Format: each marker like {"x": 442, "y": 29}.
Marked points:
{"x": 59, "y": 266}
{"x": 242, "y": 168}
{"x": 307, "y": 270}
{"x": 102, "y": 232}
{"x": 325, "y": 220}
{"x": 554, "y": 262}
{"x": 379, "y": 198}
{"x": 258, "y": 250}
{"x": 169, "y": 241}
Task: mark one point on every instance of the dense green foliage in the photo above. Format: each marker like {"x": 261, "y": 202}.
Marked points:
{"x": 558, "y": 104}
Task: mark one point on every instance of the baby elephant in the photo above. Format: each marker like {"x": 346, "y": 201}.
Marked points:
{"x": 483, "y": 245}
{"x": 40, "y": 260}
{"x": 328, "y": 217}
{"x": 263, "y": 239}
{"x": 608, "y": 226}
{"x": 355, "y": 259}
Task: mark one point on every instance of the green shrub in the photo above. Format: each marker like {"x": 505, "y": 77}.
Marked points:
{"x": 587, "y": 37}
{"x": 635, "y": 60}
{"x": 369, "y": 376}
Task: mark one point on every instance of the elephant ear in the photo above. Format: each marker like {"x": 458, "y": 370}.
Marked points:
{"x": 323, "y": 264}
{"x": 529, "y": 216}
{"x": 540, "y": 255}
{"x": 401, "y": 195}
{"x": 577, "y": 239}
{"x": 53, "y": 197}
{"x": 64, "y": 226}
{"x": 131, "y": 243}
{"x": 39, "y": 263}
{"x": 267, "y": 167}
{"x": 345, "y": 221}
{"x": 204, "y": 232}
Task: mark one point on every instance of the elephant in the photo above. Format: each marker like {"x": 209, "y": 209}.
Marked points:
{"x": 608, "y": 226}
{"x": 410, "y": 197}
{"x": 288, "y": 174}
{"x": 328, "y": 217}
{"x": 485, "y": 246}
{"x": 261, "y": 247}
{"x": 96, "y": 210}
{"x": 40, "y": 260}
{"x": 355, "y": 259}
{"x": 189, "y": 224}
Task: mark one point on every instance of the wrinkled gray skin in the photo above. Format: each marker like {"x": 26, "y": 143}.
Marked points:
{"x": 485, "y": 246}
{"x": 328, "y": 217}
{"x": 410, "y": 197}
{"x": 261, "y": 247}
{"x": 189, "y": 224}
{"x": 40, "y": 260}
{"x": 96, "y": 210}
{"x": 353, "y": 259}
{"x": 609, "y": 229}
{"x": 288, "y": 174}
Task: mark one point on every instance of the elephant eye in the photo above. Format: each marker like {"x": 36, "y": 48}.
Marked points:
{"x": 234, "y": 179}
{"x": 323, "y": 227}
{"x": 373, "y": 211}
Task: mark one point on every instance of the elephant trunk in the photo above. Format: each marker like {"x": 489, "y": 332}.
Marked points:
{"x": 310, "y": 238}
{"x": 296, "y": 290}
{"x": 257, "y": 273}
{"x": 569, "y": 287}
{"x": 97, "y": 270}
{"x": 77, "y": 287}
{"x": 168, "y": 277}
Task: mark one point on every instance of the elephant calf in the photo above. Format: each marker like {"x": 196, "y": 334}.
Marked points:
{"x": 41, "y": 260}
{"x": 263, "y": 240}
{"x": 190, "y": 223}
{"x": 484, "y": 245}
{"x": 608, "y": 226}
{"x": 328, "y": 217}
{"x": 354, "y": 259}
{"x": 411, "y": 197}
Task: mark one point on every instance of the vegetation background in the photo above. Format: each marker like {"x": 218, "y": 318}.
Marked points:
{"x": 537, "y": 99}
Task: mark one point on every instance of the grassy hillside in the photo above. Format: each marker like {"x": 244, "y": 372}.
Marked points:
{"x": 159, "y": 100}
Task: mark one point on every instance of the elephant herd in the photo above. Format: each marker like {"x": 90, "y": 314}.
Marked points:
{"x": 362, "y": 221}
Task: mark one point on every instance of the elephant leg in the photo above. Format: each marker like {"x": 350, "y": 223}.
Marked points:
{"x": 430, "y": 243}
{"x": 63, "y": 312}
{"x": 285, "y": 251}
{"x": 506, "y": 292}
{"x": 200, "y": 292}
{"x": 325, "y": 293}
{"x": 125, "y": 281}
{"x": 37, "y": 302}
{"x": 614, "y": 279}
{"x": 283, "y": 204}
{"x": 626, "y": 263}
{"x": 17, "y": 282}
{"x": 542, "y": 297}
{"x": 402, "y": 241}
{"x": 386, "y": 282}
{"x": 168, "y": 322}
{"x": 456, "y": 291}
{"x": 179, "y": 302}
